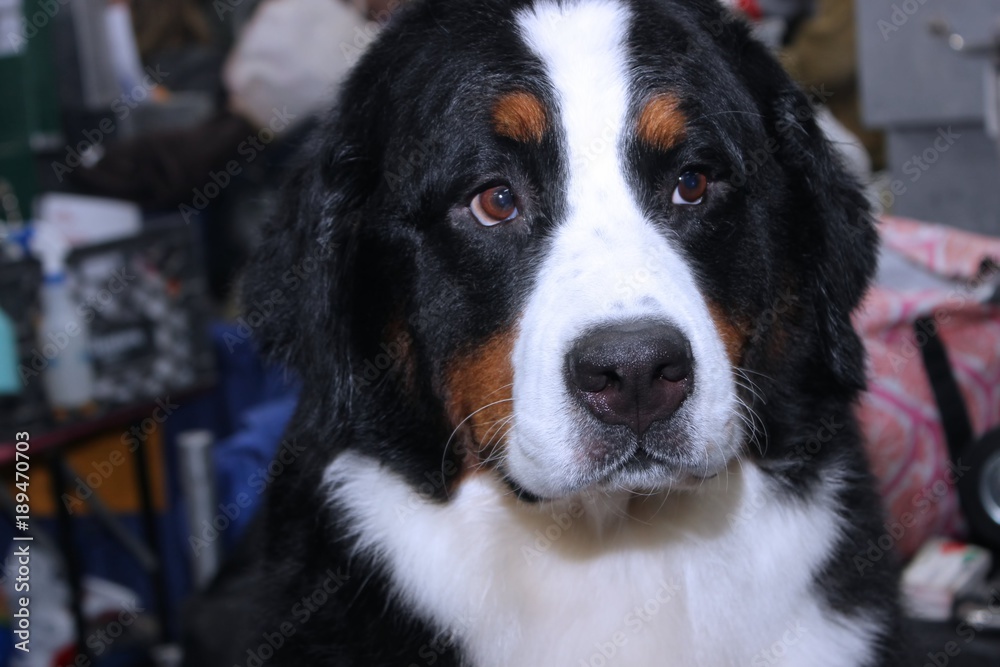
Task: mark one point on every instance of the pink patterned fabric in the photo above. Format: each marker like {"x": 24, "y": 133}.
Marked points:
{"x": 899, "y": 417}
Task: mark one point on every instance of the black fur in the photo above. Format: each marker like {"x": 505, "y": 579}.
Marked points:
{"x": 371, "y": 219}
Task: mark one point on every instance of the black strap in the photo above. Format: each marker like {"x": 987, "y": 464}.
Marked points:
{"x": 954, "y": 414}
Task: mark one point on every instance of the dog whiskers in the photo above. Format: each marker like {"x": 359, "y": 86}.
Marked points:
{"x": 447, "y": 445}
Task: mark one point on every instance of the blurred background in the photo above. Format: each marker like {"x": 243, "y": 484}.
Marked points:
{"x": 142, "y": 143}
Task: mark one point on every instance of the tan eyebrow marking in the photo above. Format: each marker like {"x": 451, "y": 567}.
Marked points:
{"x": 520, "y": 116}
{"x": 661, "y": 123}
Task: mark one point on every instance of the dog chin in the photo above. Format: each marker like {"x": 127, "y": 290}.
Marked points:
{"x": 638, "y": 473}
{"x": 651, "y": 478}
{"x": 681, "y": 466}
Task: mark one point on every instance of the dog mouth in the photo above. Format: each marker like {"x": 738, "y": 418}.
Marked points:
{"x": 645, "y": 469}
{"x": 640, "y": 473}
{"x": 639, "y": 461}
{"x": 639, "y": 469}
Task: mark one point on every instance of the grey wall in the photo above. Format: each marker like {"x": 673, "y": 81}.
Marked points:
{"x": 930, "y": 100}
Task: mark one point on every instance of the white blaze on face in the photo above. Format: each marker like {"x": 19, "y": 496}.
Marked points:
{"x": 607, "y": 263}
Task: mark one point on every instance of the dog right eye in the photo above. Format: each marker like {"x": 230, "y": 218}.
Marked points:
{"x": 691, "y": 187}
{"x": 494, "y": 205}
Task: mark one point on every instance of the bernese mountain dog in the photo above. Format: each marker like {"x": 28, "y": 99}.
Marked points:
{"x": 568, "y": 285}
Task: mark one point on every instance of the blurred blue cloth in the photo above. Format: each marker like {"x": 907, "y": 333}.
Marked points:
{"x": 247, "y": 413}
{"x": 243, "y": 462}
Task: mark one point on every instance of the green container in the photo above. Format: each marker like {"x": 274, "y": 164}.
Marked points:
{"x": 29, "y": 110}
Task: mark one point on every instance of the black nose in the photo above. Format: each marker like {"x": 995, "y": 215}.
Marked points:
{"x": 635, "y": 373}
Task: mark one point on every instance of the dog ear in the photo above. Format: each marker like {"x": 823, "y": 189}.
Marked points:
{"x": 833, "y": 220}
{"x": 833, "y": 217}
{"x": 298, "y": 286}
{"x": 840, "y": 231}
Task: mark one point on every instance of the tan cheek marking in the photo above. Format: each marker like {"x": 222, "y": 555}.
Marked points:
{"x": 783, "y": 313}
{"x": 520, "y": 116}
{"x": 661, "y": 123}
{"x": 398, "y": 344}
{"x": 482, "y": 377}
{"x": 733, "y": 336}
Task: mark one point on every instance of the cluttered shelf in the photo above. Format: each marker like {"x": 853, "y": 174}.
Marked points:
{"x": 99, "y": 331}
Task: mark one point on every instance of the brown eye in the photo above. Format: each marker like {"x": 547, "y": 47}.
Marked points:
{"x": 691, "y": 187}
{"x": 493, "y": 206}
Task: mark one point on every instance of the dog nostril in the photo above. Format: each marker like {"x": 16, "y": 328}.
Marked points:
{"x": 674, "y": 372}
{"x": 634, "y": 374}
{"x": 595, "y": 381}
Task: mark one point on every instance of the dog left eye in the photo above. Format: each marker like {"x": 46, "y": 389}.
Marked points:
{"x": 691, "y": 187}
{"x": 495, "y": 205}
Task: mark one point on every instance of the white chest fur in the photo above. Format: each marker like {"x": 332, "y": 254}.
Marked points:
{"x": 715, "y": 577}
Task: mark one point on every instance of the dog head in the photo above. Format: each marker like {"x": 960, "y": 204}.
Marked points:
{"x": 579, "y": 239}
